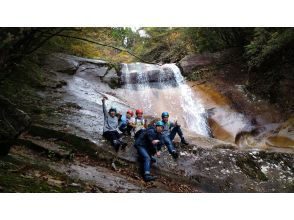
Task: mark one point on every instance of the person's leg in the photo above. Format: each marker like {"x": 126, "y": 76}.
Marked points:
{"x": 107, "y": 135}
{"x": 178, "y": 130}
{"x": 117, "y": 138}
{"x": 123, "y": 127}
{"x": 138, "y": 133}
{"x": 168, "y": 143}
{"x": 173, "y": 133}
{"x": 143, "y": 153}
{"x": 113, "y": 137}
{"x": 146, "y": 158}
{"x": 129, "y": 129}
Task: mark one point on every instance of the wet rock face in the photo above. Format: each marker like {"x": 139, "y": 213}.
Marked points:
{"x": 226, "y": 170}
{"x": 105, "y": 179}
{"x": 211, "y": 170}
{"x": 63, "y": 63}
{"x": 13, "y": 121}
{"x": 89, "y": 68}
{"x": 192, "y": 62}
{"x": 112, "y": 78}
{"x": 77, "y": 119}
{"x": 283, "y": 136}
{"x": 147, "y": 75}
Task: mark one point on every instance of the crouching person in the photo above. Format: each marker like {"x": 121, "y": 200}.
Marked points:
{"x": 110, "y": 127}
{"x": 172, "y": 128}
{"x": 146, "y": 145}
{"x": 169, "y": 132}
{"x": 125, "y": 125}
{"x": 138, "y": 123}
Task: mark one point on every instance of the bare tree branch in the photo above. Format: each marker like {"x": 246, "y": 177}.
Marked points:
{"x": 104, "y": 45}
{"x": 44, "y": 41}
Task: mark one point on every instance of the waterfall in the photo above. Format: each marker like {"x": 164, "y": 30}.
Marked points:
{"x": 157, "y": 88}
{"x": 194, "y": 112}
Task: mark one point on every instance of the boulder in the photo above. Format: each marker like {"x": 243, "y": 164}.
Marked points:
{"x": 13, "y": 122}
{"x": 64, "y": 63}
{"x": 129, "y": 78}
{"x": 193, "y": 62}
{"x": 93, "y": 69}
{"x": 283, "y": 136}
{"x": 166, "y": 75}
{"x": 112, "y": 79}
{"x": 80, "y": 60}
{"x": 152, "y": 75}
{"x": 60, "y": 63}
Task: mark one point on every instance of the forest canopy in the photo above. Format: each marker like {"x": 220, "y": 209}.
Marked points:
{"x": 151, "y": 44}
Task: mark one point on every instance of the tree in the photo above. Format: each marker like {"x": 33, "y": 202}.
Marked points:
{"x": 269, "y": 44}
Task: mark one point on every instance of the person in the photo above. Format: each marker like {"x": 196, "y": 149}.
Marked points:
{"x": 125, "y": 125}
{"x": 139, "y": 123}
{"x": 147, "y": 146}
{"x": 169, "y": 132}
{"x": 110, "y": 127}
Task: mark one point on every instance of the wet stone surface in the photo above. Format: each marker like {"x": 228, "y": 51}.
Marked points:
{"x": 73, "y": 114}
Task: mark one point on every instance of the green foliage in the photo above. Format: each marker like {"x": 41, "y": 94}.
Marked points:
{"x": 118, "y": 37}
{"x": 17, "y": 43}
{"x": 203, "y": 39}
{"x": 161, "y": 44}
{"x": 216, "y": 39}
{"x": 171, "y": 44}
{"x": 157, "y": 44}
{"x": 10, "y": 37}
{"x": 268, "y": 43}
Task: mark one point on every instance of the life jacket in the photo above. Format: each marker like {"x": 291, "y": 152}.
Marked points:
{"x": 166, "y": 127}
{"x": 139, "y": 126}
{"x": 139, "y": 121}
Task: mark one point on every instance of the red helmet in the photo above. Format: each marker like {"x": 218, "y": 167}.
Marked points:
{"x": 130, "y": 112}
{"x": 139, "y": 111}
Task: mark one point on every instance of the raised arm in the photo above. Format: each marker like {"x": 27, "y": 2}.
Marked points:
{"x": 104, "y": 107}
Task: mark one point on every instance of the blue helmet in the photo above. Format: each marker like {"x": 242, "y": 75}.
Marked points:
{"x": 164, "y": 114}
{"x": 159, "y": 123}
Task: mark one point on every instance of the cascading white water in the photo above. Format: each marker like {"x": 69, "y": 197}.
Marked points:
{"x": 173, "y": 95}
{"x": 194, "y": 112}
